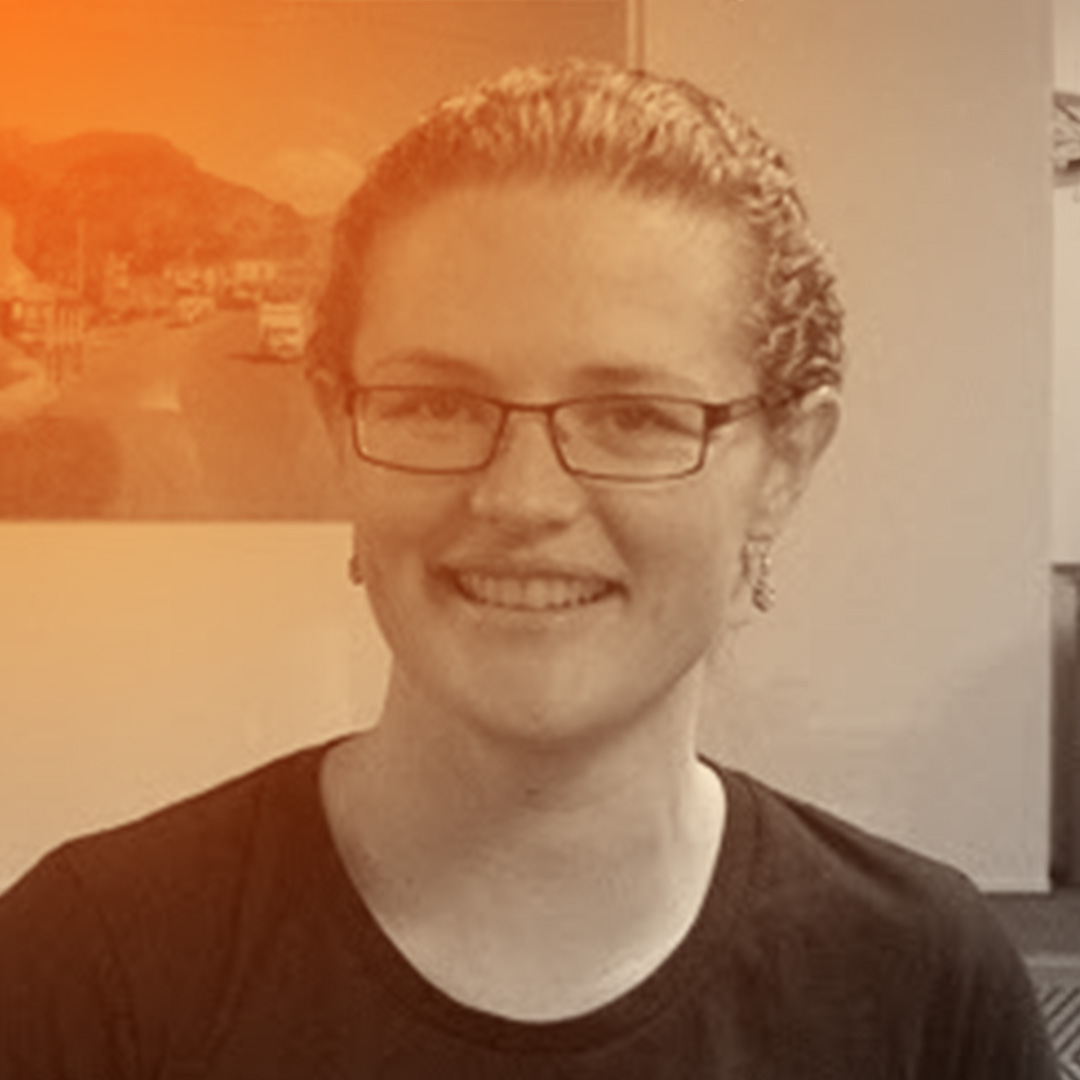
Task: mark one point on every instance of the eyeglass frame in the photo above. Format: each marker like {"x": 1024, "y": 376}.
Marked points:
{"x": 716, "y": 415}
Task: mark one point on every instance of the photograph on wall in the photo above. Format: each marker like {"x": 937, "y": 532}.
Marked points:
{"x": 169, "y": 176}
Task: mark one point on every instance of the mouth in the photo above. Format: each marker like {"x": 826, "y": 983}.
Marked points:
{"x": 534, "y": 593}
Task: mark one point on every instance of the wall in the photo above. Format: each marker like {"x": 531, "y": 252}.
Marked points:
{"x": 1066, "y": 418}
{"x": 904, "y": 677}
{"x": 1065, "y": 476}
{"x": 142, "y": 663}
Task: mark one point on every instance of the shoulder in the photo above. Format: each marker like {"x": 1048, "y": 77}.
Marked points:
{"x": 813, "y": 867}
{"x": 184, "y": 854}
{"x": 803, "y": 851}
{"x": 865, "y": 927}
{"x": 138, "y": 920}
{"x": 205, "y": 837}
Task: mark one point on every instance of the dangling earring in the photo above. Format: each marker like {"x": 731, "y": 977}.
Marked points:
{"x": 356, "y": 571}
{"x": 757, "y": 566}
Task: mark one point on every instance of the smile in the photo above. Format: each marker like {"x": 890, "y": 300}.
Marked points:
{"x": 538, "y": 593}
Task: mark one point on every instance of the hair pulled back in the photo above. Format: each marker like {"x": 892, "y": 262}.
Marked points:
{"x": 631, "y": 131}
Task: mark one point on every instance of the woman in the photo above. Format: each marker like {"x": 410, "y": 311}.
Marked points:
{"x": 578, "y": 355}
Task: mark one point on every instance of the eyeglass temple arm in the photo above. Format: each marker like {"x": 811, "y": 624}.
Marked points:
{"x": 729, "y": 411}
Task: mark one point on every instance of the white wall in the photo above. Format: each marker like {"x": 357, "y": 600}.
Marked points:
{"x": 904, "y": 677}
{"x": 141, "y": 663}
{"x": 1066, "y": 418}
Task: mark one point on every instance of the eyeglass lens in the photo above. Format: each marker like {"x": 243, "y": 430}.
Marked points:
{"x": 444, "y": 430}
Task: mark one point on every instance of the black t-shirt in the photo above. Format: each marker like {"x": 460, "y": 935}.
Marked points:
{"x": 221, "y": 938}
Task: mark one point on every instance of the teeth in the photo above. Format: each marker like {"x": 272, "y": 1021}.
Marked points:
{"x": 531, "y": 594}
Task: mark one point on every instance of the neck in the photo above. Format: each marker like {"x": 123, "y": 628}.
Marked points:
{"x": 633, "y": 773}
{"x": 559, "y": 862}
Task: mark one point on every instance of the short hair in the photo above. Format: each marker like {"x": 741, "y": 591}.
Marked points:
{"x": 634, "y": 132}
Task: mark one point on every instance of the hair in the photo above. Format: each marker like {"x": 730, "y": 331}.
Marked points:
{"x": 631, "y": 132}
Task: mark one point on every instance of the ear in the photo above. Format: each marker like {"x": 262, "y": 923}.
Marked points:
{"x": 795, "y": 445}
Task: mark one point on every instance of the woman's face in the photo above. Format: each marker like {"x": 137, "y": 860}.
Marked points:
{"x": 534, "y": 603}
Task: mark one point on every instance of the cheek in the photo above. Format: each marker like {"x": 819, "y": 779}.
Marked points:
{"x": 684, "y": 548}
{"x": 398, "y": 518}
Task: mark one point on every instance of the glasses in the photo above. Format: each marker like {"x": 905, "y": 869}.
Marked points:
{"x": 437, "y": 430}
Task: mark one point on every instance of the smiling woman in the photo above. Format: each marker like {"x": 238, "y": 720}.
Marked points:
{"x": 653, "y": 290}
{"x": 578, "y": 355}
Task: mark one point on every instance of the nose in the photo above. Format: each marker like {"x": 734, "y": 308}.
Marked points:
{"x": 526, "y": 486}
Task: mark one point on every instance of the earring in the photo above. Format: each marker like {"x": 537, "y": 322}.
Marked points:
{"x": 356, "y": 571}
{"x": 757, "y": 566}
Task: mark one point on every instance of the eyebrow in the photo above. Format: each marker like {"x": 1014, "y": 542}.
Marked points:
{"x": 426, "y": 361}
{"x": 625, "y": 376}
{"x": 598, "y": 376}
{"x": 620, "y": 375}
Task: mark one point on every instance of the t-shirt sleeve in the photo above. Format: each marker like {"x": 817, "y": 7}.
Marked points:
{"x": 986, "y": 1023}
{"x": 65, "y": 1011}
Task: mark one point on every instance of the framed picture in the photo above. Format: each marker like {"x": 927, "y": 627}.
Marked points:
{"x": 168, "y": 176}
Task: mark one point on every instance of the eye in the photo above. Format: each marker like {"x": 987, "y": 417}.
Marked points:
{"x": 646, "y": 416}
{"x": 426, "y": 403}
{"x": 441, "y": 404}
{"x": 636, "y": 416}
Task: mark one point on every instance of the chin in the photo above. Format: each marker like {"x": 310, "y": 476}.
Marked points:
{"x": 549, "y": 707}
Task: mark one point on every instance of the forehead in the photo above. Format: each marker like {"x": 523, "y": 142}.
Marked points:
{"x": 547, "y": 280}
